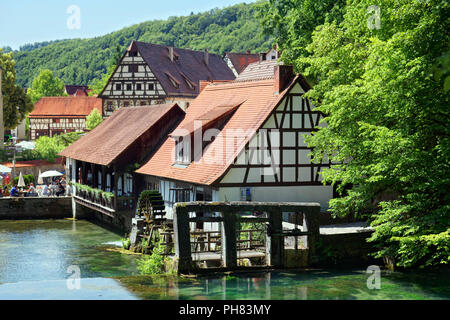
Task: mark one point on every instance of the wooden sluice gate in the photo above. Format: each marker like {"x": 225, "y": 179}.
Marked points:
{"x": 240, "y": 234}
{"x": 229, "y": 247}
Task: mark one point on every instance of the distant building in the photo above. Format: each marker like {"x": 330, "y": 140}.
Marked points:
{"x": 237, "y": 62}
{"x": 150, "y": 74}
{"x": 76, "y": 91}
{"x": 272, "y": 54}
{"x": 58, "y": 115}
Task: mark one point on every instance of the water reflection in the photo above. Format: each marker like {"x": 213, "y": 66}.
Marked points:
{"x": 42, "y": 251}
{"x": 303, "y": 285}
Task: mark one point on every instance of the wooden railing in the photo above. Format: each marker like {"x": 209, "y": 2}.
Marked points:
{"x": 96, "y": 197}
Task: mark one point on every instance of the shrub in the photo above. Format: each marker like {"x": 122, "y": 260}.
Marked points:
{"x": 154, "y": 263}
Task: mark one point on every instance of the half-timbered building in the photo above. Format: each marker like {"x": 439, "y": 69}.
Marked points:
{"x": 243, "y": 140}
{"x": 58, "y": 115}
{"x": 106, "y": 157}
{"x": 149, "y": 74}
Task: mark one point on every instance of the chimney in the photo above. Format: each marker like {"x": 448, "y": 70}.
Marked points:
{"x": 206, "y": 57}
{"x": 282, "y": 77}
{"x": 2, "y": 127}
{"x": 171, "y": 53}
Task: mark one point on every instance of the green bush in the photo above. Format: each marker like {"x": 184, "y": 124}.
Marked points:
{"x": 154, "y": 263}
{"x": 28, "y": 178}
{"x": 126, "y": 243}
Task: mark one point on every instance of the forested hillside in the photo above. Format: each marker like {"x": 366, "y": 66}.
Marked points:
{"x": 80, "y": 61}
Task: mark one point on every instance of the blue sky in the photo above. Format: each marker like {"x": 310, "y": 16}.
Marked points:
{"x": 29, "y": 21}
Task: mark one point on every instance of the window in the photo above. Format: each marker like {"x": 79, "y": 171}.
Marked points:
{"x": 139, "y": 87}
{"x": 40, "y": 133}
{"x": 172, "y": 80}
{"x": 133, "y": 68}
{"x": 118, "y": 86}
{"x": 151, "y": 86}
{"x": 183, "y": 150}
{"x": 109, "y": 106}
{"x": 126, "y": 104}
{"x": 129, "y": 87}
{"x": 55, "y": 120}
{"x": 133, "y": 54}
{"x": 70, "y": 120}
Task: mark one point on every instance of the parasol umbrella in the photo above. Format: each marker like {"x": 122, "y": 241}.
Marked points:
{"x": 51, "y": 173}
{"x": 5, "y": 169}
{"x": 28, "y": 145}
{"x": 40, "y": 180}
{"x": 21, "y": 182}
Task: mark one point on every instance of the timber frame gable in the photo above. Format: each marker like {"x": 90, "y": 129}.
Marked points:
{"x": 277, "y": 154}
{"x": 132, "y": 83}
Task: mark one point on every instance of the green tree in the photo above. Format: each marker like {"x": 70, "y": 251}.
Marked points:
{"x": 93, "y": 119}
{"x": 80, "y": 61}
{"x": 98, "y": 85}
{"x": 46, "y": 85}
{"x": 292, "y": 22}
{"x": 387, "y": 118}
{"x": 16, "y": 104}
{"x": 48, "y": 148}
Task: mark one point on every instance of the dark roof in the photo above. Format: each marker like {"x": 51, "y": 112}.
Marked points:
{"x": 71, "y": 90}
{"x": 115, "y": 134}
{"x": 187, "y": 64}
{"x": 240, "y": 61}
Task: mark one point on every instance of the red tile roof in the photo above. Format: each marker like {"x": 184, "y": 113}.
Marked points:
{"x": 50, "y": 107}
{"x": 187, "y": 64}
{"x": 240, "y": 61}
{"x": 116, "y": 133}
{"x": 34, "y": 163}
{"x": 259, "y": 101}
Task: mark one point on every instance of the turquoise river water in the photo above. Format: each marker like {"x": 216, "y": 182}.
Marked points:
{"x": 39, "y": 260}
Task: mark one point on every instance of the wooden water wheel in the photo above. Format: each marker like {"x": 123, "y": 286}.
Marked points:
{"x": 152, "y": 209}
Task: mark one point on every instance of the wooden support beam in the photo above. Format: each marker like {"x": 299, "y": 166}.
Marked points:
{"x": 229, "y": 247}
{"x": 275, "y": 240}
{"x": 115, "y": 187}
{"x": 312, "y": 225}
{"x": 182, "y": 241}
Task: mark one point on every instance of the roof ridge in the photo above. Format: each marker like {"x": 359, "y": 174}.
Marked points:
{"x": 240, "y": 84}
{"x": 176, "y": 48}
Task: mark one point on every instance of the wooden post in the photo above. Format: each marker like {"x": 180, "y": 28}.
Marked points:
{"x": 103, "y": 178}
{"x": 274, "y": 243}
{"x": 182, "y": 241}
{"x": 115, "y": 187}
{"x": 312, "y": 224}
{"x": 229, "y": 247}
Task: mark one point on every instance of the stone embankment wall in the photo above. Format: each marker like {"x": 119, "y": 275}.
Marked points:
{"x": 35, "y": 208}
